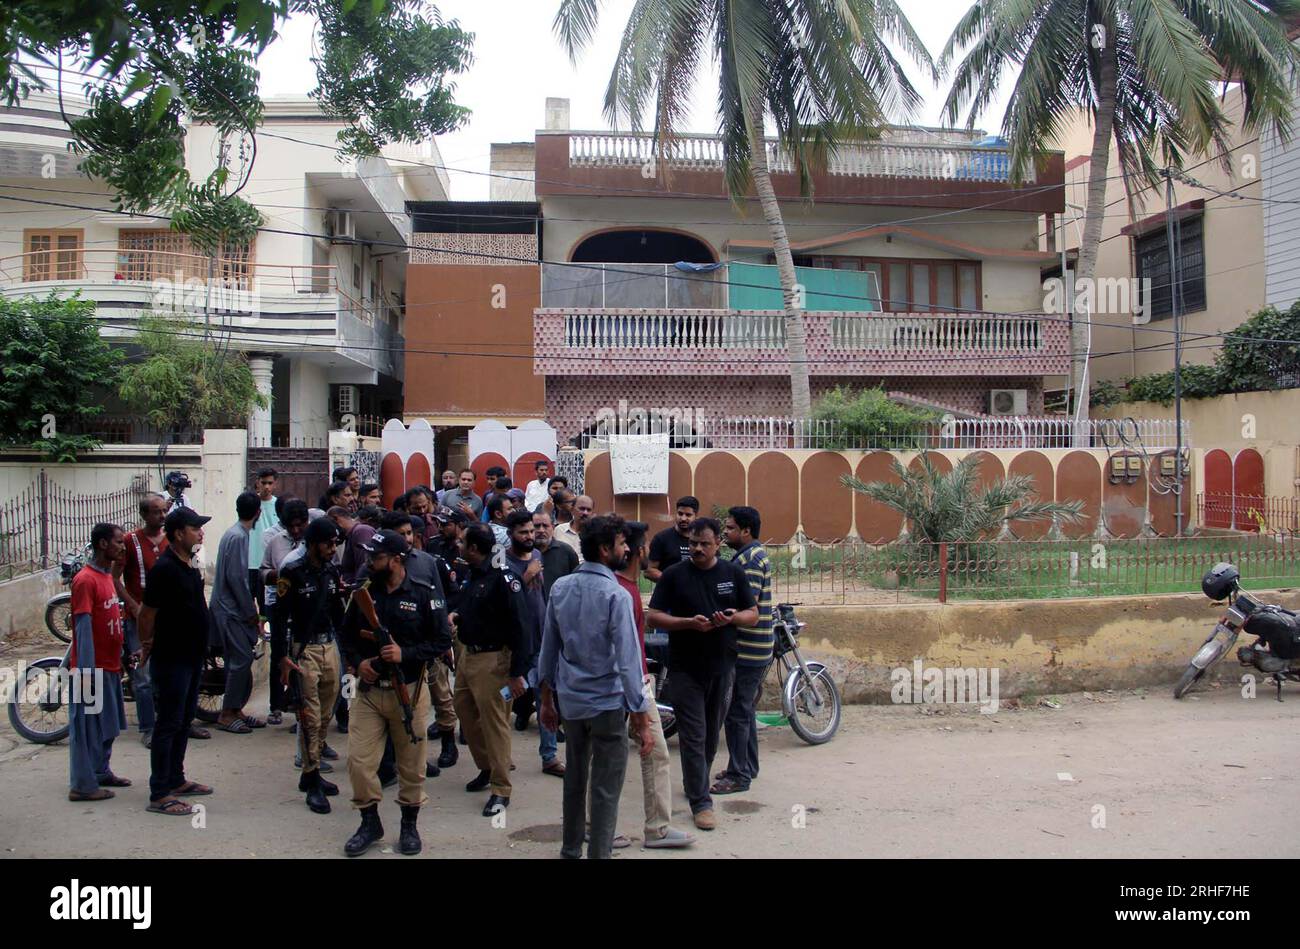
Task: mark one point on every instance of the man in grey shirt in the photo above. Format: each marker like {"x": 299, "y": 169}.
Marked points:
{"x": 591, "y": 659}
{"x": 234, "y": 617}
{"x": 464, "y": 499}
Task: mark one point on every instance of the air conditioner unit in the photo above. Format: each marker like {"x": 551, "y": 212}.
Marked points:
{"x": 339, "y": 225}
{"x": 1008, "y": 401}
{"x": 349, "y": 400}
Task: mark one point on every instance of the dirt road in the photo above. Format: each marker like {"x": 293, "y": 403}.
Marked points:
{"x": 1103, "y": 776}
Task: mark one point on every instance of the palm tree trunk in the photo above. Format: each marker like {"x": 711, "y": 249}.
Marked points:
{"x": 795, "y": 333}
{"x": 1094, "y": 217}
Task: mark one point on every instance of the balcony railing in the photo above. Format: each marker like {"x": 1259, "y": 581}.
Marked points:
{"x": 948, "y": 434}
{"x": 694, "y": 152}
{"x": 595, "y": 341}
{"x": 184, "y": 281}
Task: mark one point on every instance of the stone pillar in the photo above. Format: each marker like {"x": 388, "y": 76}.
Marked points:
{"x": 259, "y": 420}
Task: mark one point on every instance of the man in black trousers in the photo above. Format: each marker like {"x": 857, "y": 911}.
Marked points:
{"x": 174, "y": 626}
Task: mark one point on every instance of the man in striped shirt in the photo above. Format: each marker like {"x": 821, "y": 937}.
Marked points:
{"x": 753, "y": 653}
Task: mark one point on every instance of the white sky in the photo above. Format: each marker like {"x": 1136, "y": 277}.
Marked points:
{"x": 518, "y": 63}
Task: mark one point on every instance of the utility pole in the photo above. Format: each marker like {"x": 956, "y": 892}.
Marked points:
{"x": 1175, "y": 304}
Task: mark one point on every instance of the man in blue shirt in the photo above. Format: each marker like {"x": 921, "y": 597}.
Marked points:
{"x": 591, "y": 659}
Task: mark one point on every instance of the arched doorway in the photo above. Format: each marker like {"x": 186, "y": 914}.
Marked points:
{"x": 648, "y": 246}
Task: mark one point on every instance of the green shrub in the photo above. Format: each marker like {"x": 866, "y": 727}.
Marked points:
{"x": 1258, "y": 355}
{"x": 866, "y": 418}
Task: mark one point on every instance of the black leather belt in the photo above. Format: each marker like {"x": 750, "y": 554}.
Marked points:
{"x": 478, "y": 649}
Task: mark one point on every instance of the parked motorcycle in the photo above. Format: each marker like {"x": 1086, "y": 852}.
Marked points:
{"x": 38, "y": 707}
{"x": 810, "y": 700}
{"x": 1276, "y": 651}
{"x": 58, "y": 610}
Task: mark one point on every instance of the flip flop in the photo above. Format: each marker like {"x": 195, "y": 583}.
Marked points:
{"x": 191, "y": 789}
{"x": 236, "y": 727}
{"x": 170, "y": 806}
{"x": 254, "y": 722}
{"x": 200, "y": 733}
{"x": 113, "y": 781}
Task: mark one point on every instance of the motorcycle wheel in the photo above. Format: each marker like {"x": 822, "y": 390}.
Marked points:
{"x": 58, "y": 616}
{"x": 1191, "y": 675}
{"x": 816, "y": 728}
{"x": 668, "y": 721}
{"x": 42, "y": 722}
{"x": 212, "y": 690}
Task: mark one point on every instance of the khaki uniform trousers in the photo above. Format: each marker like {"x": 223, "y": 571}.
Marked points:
{"x": 320, "y": 693}
{"x": 377, "y": 716}
{"x": 484, "y": 714}
{"x": 443, "y": 705}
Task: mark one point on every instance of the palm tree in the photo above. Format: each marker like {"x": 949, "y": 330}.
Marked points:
{"x": 1145, "y": 71}
{"x": 951, "y": 506}
{"x": 822, "y": 72}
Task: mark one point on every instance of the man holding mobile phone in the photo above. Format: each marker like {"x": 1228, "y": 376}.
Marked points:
{"x": 701, "y": 602}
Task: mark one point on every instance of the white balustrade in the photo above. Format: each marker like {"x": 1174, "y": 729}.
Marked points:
{"x": 955, "y": 162}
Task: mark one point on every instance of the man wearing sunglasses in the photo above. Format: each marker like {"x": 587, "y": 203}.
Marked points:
{"x": 309, "y": 595}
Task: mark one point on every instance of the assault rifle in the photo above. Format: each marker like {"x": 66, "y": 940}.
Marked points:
{"x": 366, "y": 603}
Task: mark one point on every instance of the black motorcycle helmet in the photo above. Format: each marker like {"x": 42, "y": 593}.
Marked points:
{"x": 1217, "y": 584}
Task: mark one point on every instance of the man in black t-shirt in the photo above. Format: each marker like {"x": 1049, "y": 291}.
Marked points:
{"x": 673, "y": 544}
{"x": 174, "y": 636}
{"x": 701, "y": 602}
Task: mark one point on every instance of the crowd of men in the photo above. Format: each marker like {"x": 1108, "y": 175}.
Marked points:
{"x": 444, "y": 603}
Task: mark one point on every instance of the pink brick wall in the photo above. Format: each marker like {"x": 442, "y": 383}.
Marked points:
{"x": 572, "y": 401}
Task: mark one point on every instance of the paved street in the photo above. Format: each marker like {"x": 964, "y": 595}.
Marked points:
{"x": 1197, "y": 778}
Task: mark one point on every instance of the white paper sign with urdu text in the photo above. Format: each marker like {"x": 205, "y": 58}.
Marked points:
{"x": 639, "y": 463}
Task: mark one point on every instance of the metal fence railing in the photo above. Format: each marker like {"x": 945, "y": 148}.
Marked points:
{"x": 46, "y": 520}
{"x": 695, "y": 430}
{"x": 1248, "y": 512}
{"x": 851, "y": 572}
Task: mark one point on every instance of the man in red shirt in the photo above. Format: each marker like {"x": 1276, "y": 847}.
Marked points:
{"x": 656, "y": 779}
{"x": 142, "y": 548}
{"x": 96, "y": 712}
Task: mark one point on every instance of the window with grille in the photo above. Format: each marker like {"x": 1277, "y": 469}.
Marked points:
{"x": 1152, "y": 264}
{"x": 161, "y": 254}
{"x": 914, "y": 285}
{"x": 52, "y": 255}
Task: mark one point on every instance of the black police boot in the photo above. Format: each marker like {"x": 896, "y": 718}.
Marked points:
{"x": 431, "y": 769}
{"x": 307, "y": 781}
{"x": 368, "y": 834}
{"x": 316, "y": 799}
{"x": 450, "y": 753}
{"x": 480, "y": 783}
{"x": 495, "y": 805}
{"x": 408, "y": 842}
{"x": 432, "y": 731}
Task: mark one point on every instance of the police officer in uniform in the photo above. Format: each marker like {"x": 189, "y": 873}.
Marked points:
{"x": 409, "y": 611}
{"x": 309, "y": 599}
{"x": 434, "y": 570}
{"x": 491, "y": 624}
